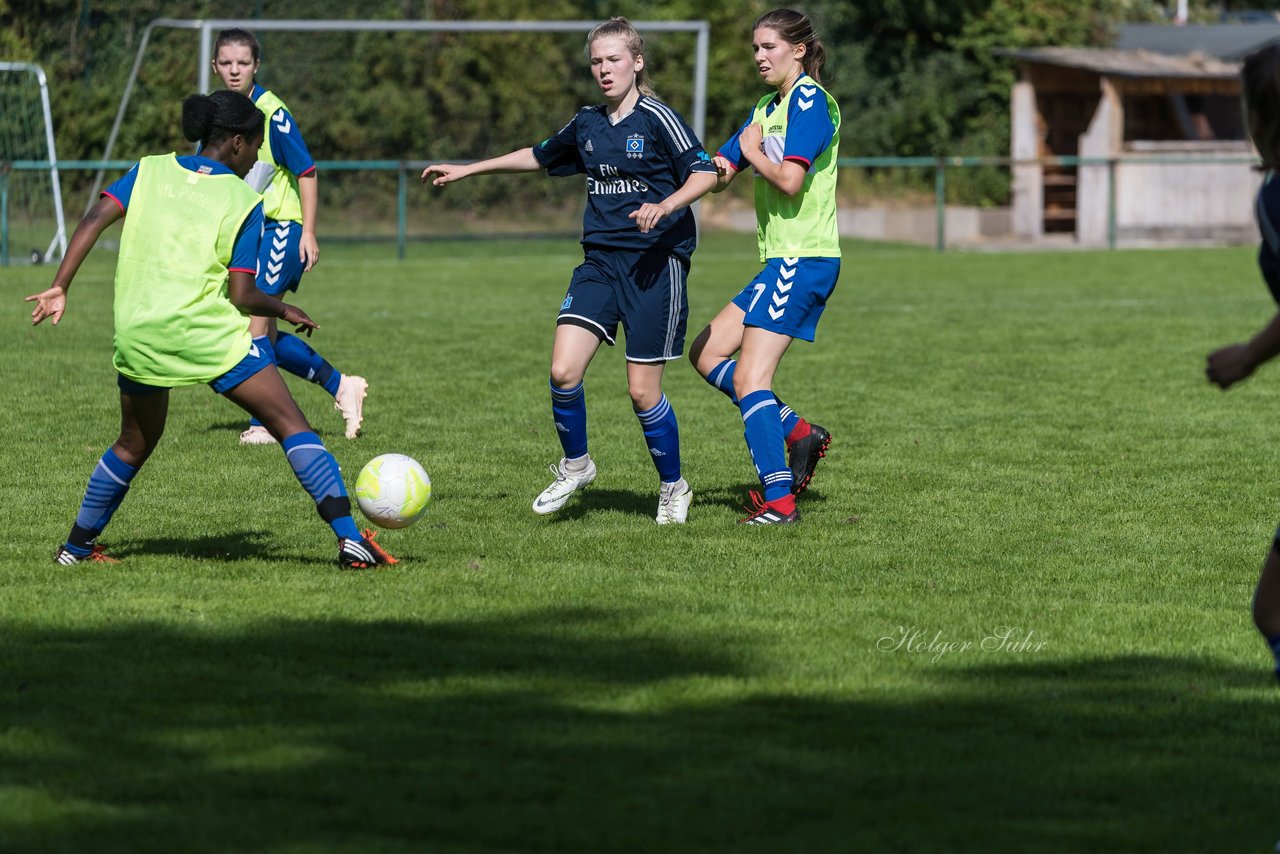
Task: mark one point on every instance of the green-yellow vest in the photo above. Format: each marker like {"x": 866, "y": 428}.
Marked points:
{"x": 174, "y": 325}
{"x": 280, "y": 199}
{"x": 803, "y": 225}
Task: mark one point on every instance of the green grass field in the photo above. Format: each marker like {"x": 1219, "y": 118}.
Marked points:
{"x": 1022, "y": 441}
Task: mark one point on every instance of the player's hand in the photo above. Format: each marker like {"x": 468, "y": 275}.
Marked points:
{"x": 50, "y": 303}
{"x": 444, "y": 173}
{"x": 723, "y": 167}
{"x": 752, "y": 137}
{"x": 1230, "y": 365}
{"x": 648, "y": 216}
{"x": 297, "y": 318}
{"x": 308, "y": 251}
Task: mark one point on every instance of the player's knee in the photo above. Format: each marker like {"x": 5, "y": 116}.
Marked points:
{"x": 697, "y": 349}
{"x": 134, "y": 447}
{"x": 644, "y": 398}
{"x": 564, "y": 375}
{"x": 747, "y": 381}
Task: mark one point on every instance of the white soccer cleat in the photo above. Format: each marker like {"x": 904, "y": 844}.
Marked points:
{"x": 350, "y": 402}
{"x": 568, "y": 481}
{"x": 673, "y": 502}
{"x": 257, "y": 435}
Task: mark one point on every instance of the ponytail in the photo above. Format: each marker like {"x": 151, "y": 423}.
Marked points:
{"x": 208, "y": 119}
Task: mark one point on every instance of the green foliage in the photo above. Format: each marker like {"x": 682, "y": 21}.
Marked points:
{"x": 913, "y": 77}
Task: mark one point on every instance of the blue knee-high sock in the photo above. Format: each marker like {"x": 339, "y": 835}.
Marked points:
{"x": 662, "y": 436}
{"x": 263, "y": 343}
{"x": 1274, "y": 643}
{"x": 569, "y": 408}
{"x": 107, "y": 487}
{"x": 763, "y": 431}
{"x": 318, "y": 473}
{"x": 721, "y": 377}
{"x": 298, "y": 358}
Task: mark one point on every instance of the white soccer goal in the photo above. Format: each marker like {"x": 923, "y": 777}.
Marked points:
{"x": 31, "y": 222}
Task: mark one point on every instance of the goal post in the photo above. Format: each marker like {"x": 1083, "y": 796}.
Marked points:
{"x": 29, "y": 206}
{"x": 209, "y": 28}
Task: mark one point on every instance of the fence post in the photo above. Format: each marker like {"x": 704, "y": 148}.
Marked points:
{"x": 4, "y": 215}
{"x": 402, "y": 193}
{"x": 940, "y": 200}
{"x": 1111, "y": 203}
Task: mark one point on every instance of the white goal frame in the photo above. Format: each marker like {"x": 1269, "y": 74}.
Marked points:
{"x": 208, "y": 29}
{"x": 59, "y": 240}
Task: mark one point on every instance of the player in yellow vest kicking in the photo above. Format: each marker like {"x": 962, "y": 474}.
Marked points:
{"x": 184, "y": 281}
{"x": 285, "y": 174}
{"x": 791, "y": 140}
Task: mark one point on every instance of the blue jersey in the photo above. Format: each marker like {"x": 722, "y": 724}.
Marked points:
{"x": 287, "y": 144}
{"x": 244, "y": 256}
{"x": 1267, "y": 209}
{"x": 809, "y": 132}
{"x": 645, "y": 157}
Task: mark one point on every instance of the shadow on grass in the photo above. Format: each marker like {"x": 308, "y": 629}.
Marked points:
{"x": 230, "y": 546}
{"x": 572, "y": 729}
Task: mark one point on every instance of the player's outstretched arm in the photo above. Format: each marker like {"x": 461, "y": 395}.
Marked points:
{"x": 1237, "y": 362}
{"x": 650, "y": 214}
{"x": 53, "y": 302}
{"x": 244, "y": 295}
{"x": 440, "y": 174}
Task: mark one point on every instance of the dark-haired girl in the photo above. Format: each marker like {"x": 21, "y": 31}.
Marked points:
{"x": 644, "y": 167}
{"x": 285, "y": 174}
{"x": 791, "y": 140}
{"x": 1260, "y": 78}
{"x": 183, "y": 285}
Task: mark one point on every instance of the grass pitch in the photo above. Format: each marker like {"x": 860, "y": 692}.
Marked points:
{"x": 1015, "y": 616}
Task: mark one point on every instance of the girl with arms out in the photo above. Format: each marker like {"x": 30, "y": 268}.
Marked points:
{"x": 1260, "y": 79}
{"x": 644, "y": 167}
{"x": 184, "y": 283}
{"x": 285, "y": 174}
{"x": 791, "y": 140}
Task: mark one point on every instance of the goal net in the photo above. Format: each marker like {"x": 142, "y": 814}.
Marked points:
{"x": 32, "y": 228}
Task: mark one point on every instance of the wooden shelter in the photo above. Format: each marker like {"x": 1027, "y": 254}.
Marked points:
{"x": 1137, "y": 106}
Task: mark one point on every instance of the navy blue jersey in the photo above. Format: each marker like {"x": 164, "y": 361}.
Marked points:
{"x": 244, "y": 255}
{"x": 1267, "y": 210}
{"x": 645, "y": 157}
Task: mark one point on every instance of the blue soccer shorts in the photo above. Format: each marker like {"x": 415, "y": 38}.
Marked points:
{"x": 789, "y": 294}
{"x": 645, "y": 291}
{"x": 257, "y": 359}
{"x": 279, "y": 262}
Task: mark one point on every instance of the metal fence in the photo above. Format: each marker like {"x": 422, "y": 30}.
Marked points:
{"x": 940, "y": 166}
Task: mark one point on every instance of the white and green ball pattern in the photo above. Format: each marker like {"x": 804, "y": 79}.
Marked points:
{"x": 393, "y": 491}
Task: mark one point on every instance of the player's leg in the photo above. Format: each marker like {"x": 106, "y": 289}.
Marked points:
{"x": 1266, "y": 602}
{"x": 762, "y": 350}
{"x": 712, "y": 356}
{"x": 655, "y": 310}
{"x": 143, "y": 411}
{"x": 280, "y": 269}
{"x": 264, "y": 395}
{"x": 571, "y": 353}
{"x": 588, "y": 316}
{"x": 263, "y": 330}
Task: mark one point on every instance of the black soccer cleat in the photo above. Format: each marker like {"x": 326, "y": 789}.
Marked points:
{"x": 364, "y": 553}
{"x": 803, "y": 456}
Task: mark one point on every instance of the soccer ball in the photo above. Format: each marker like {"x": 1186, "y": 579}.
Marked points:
{"x": 393, "y": 490}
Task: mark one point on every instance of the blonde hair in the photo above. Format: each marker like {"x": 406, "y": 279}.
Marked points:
{"x": 621, "y": 28}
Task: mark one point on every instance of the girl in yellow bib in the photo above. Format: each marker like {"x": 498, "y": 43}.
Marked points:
{"x": 184, "y": 285}
{"x": 791, "y": 140}
{"x": 285, "y": 174}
